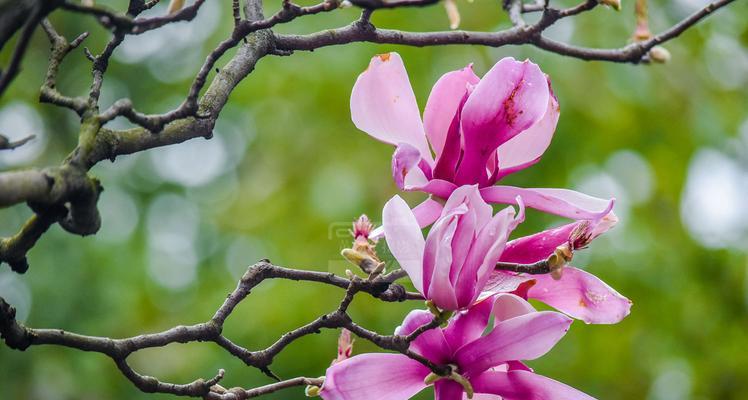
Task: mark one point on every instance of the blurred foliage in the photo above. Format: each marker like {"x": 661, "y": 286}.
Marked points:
{"x": 287, "y": 171}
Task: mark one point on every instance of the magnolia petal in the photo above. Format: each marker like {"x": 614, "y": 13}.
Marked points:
{"x": 504, "y": 282}
{"x": 470, "y": 195}
{"x": 443, "y": 103}
{"x": 404, "y": 159}
{"x": 404, "y": 238}
{"x": 525, "y": 337}
{"x": 526, "y": 148}
{"x": 374, "y": 377}
{"x": 510, "y": 98}
{"x": 507, "y": 306}
{"x": 582, "y": 296}
{"x": 562, "y": 202}
{"x": 448, "y": 160}
{"x": 467, "y": 326}
{"x": 529, "y": 249}
{"x": 384, "y": 106}
{"x": 524, "y": 385}
{"x": 431, "y": 343}
{"x": 437, "y": 261}
{"x": 446, "y": 389}
{"x": 437, "y": 187}
{"x": 483, "y": 255}
{"x": 427, "y": 212}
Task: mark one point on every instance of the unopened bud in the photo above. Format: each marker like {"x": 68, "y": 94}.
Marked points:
{"x": 615, "y": 4}
{"x": 558, "y": 260}
{"x": 453, "y": 14}
{"x": 345, "y": 4}
{"x": 361, "y": 260}
{"x": 312, "y": 391}
{"x": 362, "y": 227}
{"x": 659, "y": 54}
{"x": 174, "y": 6}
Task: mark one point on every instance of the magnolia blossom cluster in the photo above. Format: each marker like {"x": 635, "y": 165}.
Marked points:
{"x": 474, "y": 131}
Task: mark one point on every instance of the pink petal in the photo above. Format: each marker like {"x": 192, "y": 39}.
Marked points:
{"x": 504, "y": 282}
{"x": 437, "y": 261}
{"x": 445, "y": 389}
{"x": 374, "y": 377}
{"x": 470, "y": 195}
{"x": 526, "y": 148}
{"x": 384, "y": 106}
{"x": 483, "y": 256}
{"x": 524, "y": 385}
{"x": 510, "y": 98}
{"x": 443, "y": 103}
{"x": 404, "y": 238}
{"x": 468, "y": 325}
{"x": 427, "y": 212}
{"x": 437, "y": 187}
{"x": 431, "y": 343}
{"x": 525, "y": 337}
{"x": 507, "y": 306}
{"x": 562, "y": 202}
{"x": 447, "y": 161}
{"x": 581, "y": 295}
{"x": 478, "y": 215}
{"x": 404, "y": 159}
{"x": 529, "y": 249}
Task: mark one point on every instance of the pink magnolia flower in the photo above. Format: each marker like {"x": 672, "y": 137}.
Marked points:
{"x": 578, "y": 294}
{"x": 454, "y": 262}
{"x": 480, "y": 130}
{"x": 487, "y": 364}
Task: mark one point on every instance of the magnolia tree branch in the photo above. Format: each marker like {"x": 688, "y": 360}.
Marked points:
{"x": 67, "y": 194}
{"x": 20, "y": 337}
{"x": 49, "y": 192}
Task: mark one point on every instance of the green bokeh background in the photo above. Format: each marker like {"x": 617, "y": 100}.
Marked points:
{"x": 287, "y": 171}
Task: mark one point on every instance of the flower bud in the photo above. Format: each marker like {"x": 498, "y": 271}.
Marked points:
{"x": 362, "y": 227}
{"x": 362, "y": 260}
{"x": 615, "y": 4}
{"x": 453, "y": 14}
{"x": 312, "y": 391}
{"x": 558, "y": 260}
{"x": 174, "y": 6}
{"x": 659, "y": 54}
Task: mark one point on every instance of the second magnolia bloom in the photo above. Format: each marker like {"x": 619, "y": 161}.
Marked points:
{"x": 452, "y": 265}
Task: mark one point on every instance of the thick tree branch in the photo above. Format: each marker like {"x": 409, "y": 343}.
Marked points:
{"x": 517, "y": 35}
{"x": 20, "y": 337}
